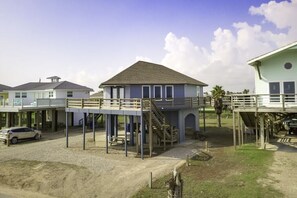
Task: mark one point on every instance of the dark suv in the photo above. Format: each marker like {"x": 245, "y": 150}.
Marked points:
{"x": 18, "y": 133}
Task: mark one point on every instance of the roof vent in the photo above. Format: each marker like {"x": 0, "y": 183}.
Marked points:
{"x": 54, "y": 78}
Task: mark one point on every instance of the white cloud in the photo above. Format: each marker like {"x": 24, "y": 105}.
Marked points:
{"x": 224, "y": 63}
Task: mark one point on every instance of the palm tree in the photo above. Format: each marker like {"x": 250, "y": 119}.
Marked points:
{"x": 217, "y": 94}
{"x": 245, "y": 91}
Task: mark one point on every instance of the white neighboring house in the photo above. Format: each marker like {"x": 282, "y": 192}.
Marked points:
{"x": 45, "y": 99}
{"x": 275, "y": 74}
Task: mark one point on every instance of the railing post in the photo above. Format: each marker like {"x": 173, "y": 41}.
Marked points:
{"x": 82, "y": 103}
{"x": 283, "y": 101}
{"x": 257, "y": 102}
{"x": 100, "y": 103}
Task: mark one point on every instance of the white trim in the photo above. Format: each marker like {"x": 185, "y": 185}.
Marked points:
{"x": 160, "y": 92}
{"x": 166, "y": 92}
{"x": 149, "y": 90}
{"x": 250, "y": 62}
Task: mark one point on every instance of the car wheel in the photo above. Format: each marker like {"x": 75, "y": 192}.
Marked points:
{"x": 14, "y": 140}
{"x": 37, "y": 137}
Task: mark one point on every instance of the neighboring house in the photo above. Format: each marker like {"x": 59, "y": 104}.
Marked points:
{"x": 98, "y": 94}
{"x": 3, "y": 97}
{"x": 275, "y": 88}
{"x": 3, "y": 92}
{"x": 38, "y": 103}
{"x": 163, "y": 101}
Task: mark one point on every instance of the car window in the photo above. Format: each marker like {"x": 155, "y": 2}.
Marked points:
{"x": 28, "y": 129}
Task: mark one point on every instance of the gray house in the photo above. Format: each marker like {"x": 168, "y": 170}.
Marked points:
{"x": 153, "y": 98}
{"x": 39, "y": 103}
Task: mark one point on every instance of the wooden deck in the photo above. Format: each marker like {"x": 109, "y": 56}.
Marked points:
{"x": 282, "y": 103}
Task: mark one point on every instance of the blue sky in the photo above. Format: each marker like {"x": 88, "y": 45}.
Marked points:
{"x": 89, "y": 41}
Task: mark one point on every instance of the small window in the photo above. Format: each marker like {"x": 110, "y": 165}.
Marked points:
{"x": 17, "y": 95}
{"x": 50, "y": 94}
{"x": 288, "y": 65}
{"x": 169, "y": 92}
{"x": 69, "y": 94}
{"x": 146, "y": 91}
{"x": 24, "y": 95}
{"x": 158, "y": 92}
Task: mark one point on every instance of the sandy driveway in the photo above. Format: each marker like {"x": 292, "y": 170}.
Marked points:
{"x": 283, "y": 174}
{"x": 47, "y": 168}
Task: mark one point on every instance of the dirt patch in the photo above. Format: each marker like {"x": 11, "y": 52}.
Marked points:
{"x": 54, "y": 179}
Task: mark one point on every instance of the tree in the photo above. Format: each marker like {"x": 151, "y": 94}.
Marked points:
{"x": 217, "y": 94}
{"x": 246, "y": 91}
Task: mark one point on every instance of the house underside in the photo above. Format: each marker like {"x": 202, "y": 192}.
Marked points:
{"x": 263, "y": 113}
{"x": 146, "y": 122}
{"x": 45, "y": 114}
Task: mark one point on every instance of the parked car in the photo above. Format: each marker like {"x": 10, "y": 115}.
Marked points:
{"x": 19, "y": 133}
{"x": 290, "y": 125}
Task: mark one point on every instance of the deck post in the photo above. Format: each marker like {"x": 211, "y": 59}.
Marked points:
{"x": 238, "y": 129}
{"x": 106, "y": 129}
{"x": 125, "y": 121}
{"x": 256, "y": 128}
{"x": 93, "y": 122}
{"x": 136, "y": 135}
{"x": 164, "y": 135}
{"x": 131, "y": 120}
{"x": 234, "y": 129}
{"x": 262, "y": 131}
{"x": 142, "y": 130}
{"x": 66, "y": 129}
{"x": 242, "y": 130}
{"x": 150, "y": 131}
{"x": 204, "y": 119}
{"x": 84, "y": 132}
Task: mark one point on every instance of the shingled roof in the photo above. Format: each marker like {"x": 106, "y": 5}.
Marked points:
{"x": 50, "y": 85}
{"x": 145, "y": 73}
{"x": 4, "y": 87}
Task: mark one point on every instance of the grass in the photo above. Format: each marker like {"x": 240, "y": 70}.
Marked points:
{"x": 228, "y": 173}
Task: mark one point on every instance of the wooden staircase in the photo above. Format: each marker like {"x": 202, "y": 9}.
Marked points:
{"x": 160, "y": 126}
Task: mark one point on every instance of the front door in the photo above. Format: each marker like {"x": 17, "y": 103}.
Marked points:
{"x": 289, "y": 91}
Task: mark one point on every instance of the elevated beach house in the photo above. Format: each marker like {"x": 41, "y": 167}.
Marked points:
{"x": 158, "y": 104}
{"x": 275, "y": 93}
{"x": 40, "y": 104}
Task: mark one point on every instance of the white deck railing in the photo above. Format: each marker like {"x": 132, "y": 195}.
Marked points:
{"x": 133, "y": 103}
{"x": 264, "y": 100}
{"x": 40, "y": 102}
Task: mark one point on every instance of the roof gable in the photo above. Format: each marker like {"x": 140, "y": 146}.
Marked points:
{"x": 4, "y": 87}
{"x": 50, "y": 85}
{"x": 254, "y": 61}
{"x": 149, "y": 73}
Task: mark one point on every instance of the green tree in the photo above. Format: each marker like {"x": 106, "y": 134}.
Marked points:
{"x": 217, "y": 94}
{"x": 246, "y": 91}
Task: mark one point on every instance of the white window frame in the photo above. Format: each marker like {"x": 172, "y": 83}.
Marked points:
{"x": 17, "y": 95}
{"x": 68, "y": 94}
{"x": 24, "y": 94}
{"x": 161, "y": 96}
{"x": 50, "y": 94}
{"x": 168, "y": 99}
{"x": 149, "y": 90}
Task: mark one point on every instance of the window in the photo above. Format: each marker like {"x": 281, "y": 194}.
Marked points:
{"x": 50, "y": 94}
{"x": 17, "y": 95}
{"x": 274, "y": 90}
{"x": 158, "y": 92}
{"x": 69, "y": 94}
{"x": 288, "y": 65}
{"x": 24, "y": 95}
{"x": 169, "y": 92}
{"x": 146, "y": 91}
{"x": 289, "y": 91}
